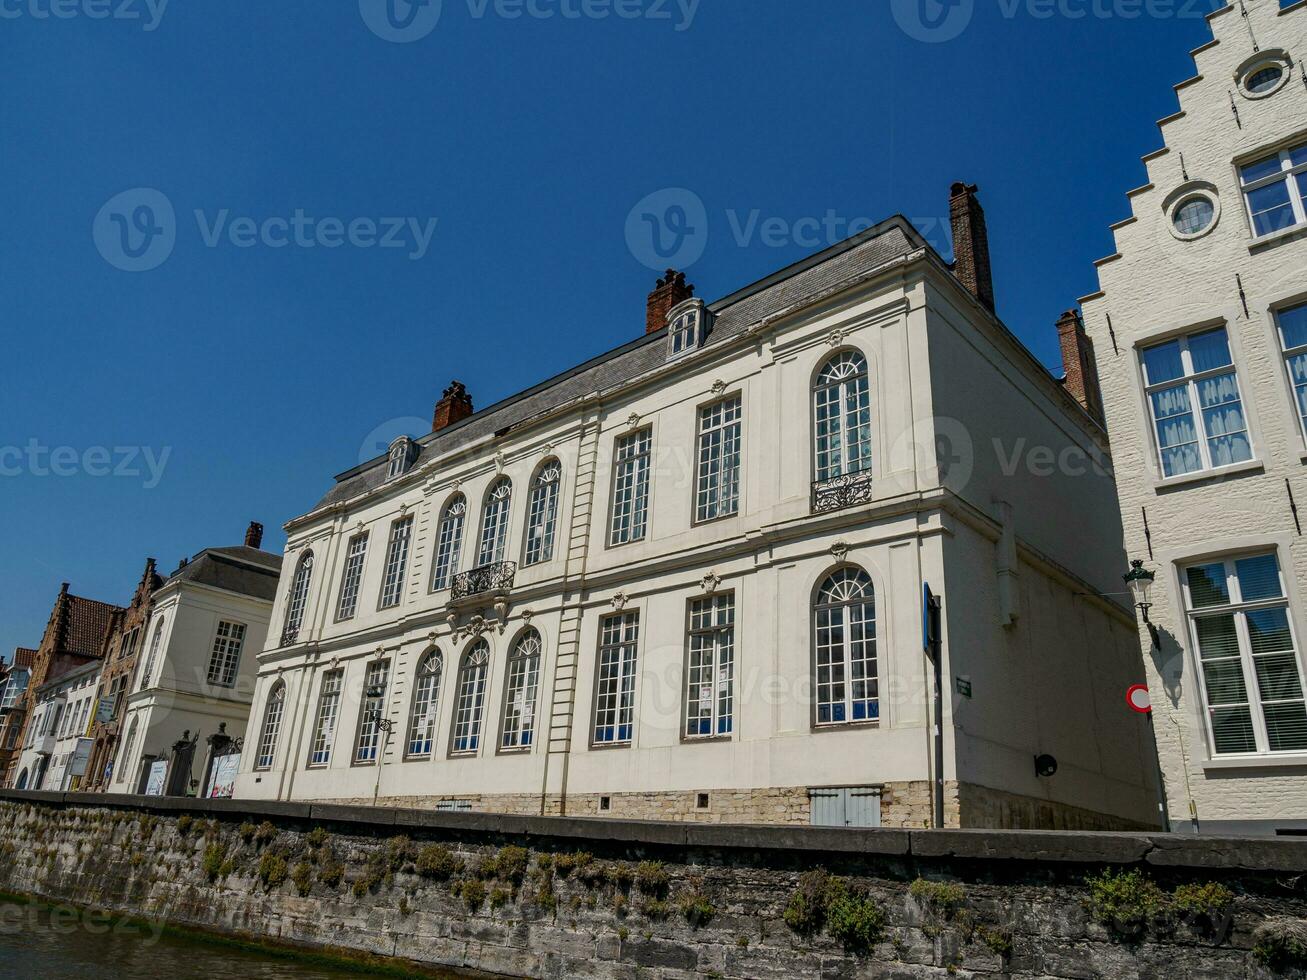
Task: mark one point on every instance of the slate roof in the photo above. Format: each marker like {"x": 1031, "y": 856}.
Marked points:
{"x": 88, "y": 624}
{"x": 734, "y": 315}
{"x": 246, "y": 571}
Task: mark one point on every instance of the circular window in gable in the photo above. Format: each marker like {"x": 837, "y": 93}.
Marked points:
{"x": 1264, "y": 75}
{"x": 1193, "y": 210}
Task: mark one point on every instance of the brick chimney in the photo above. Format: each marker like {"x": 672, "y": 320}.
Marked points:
{"x": 971, "y": 243}
{"x": 1079, "y": 364}
{"x": 671, "y": 290}
{"x": 254, "y": 535}
{"x": 454, "y": 407}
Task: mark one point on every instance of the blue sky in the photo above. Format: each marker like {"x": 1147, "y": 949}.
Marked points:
{"x": 231, "y": 381}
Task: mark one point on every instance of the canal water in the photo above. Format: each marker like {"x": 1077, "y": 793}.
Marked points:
{"x": 38, "y": 943}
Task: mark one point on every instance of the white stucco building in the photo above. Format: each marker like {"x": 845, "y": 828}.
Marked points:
{"x": 56, "y": 748}
{"x": 1200, "y": 329}
{"x": 196, "y": 672}
{"x": 685, "y": 579}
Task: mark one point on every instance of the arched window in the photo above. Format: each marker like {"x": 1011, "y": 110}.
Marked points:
{"x": 271, "y": 726}
{"x": 449, "y": 543}
{"x": 494, "y": 523}
{"x": 426, "y": 697}
{"x": 842, "y": 416}
{"x": 542, "y": 513}
{"x": 521, "y": 691}
{"x": 299, "y": 597}
{"x": 125, "y": 757}
{"x": 471, "y": 706}
{"x": 22, "y": 780}
{"x": 153, "y": 655}
{"x": 847, "y": 684}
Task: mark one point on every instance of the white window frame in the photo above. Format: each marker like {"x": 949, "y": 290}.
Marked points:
{"x": 495, "y": 516}
{"x": 616, "y": 672}
{"x": 632, "y": 469}
{"x": 421, "y": 741}
{"x": 225, "y": 661}
{"x": 367, "y": 741}
{"x": 845, "y": 387}
{"x": 270, "y": 731}
{"x": 710, "y": 668}
{"x": 351, "y": 580}
{"x": 148, "y": 668}
{"x": 1287, "y": 172}
{"x": 1189, "y": 381}
{"x": 522, "y": 693}
{"x": 719, "y": 456}
{"x": 396, "y": 569}
{"x": 542, "y": 513}
{"x": 685, "y": 333}
{"x": 449, "y": 543}
{"x": 1247, "y": 659}
{"x": 1289, "y": 353}
{"x": 397, "y": 461}
{"x": 468, "y": 723}
{"x": 845, "y": 655}
{"x": 328, "y": 714}
{"x": 298, "y": 600}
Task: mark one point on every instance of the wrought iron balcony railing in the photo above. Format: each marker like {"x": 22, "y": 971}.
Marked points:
{"x": 841, "y": 492}
{"x": 485, "y": 580}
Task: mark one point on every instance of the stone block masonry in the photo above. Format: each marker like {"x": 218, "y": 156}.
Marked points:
{"x": 619, "y": 900}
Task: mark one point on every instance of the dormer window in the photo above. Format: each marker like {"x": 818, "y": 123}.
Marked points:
{"x": 401, "y": 456}
{"x": 687, "y": 328}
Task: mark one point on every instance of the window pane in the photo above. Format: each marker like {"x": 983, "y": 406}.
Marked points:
{"x": 1270, "y": 208}
{"x": 1210, "y": 350}
{"x": 1232, "y": 731}
{"x": 1163, "y": 363}
{"x": 1217, "y": 637}
{"x": 1207, "y": 586}
{"x": 1286, "y": 727}
{"x": 1262, "y": 168}
{"x": 1293, "y": 326}
{"x": 1278, "y": 678}
{"x": 1259, "y": 578}
{"x": 1225, "y": 683}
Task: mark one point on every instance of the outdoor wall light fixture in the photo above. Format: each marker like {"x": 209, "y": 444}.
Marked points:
{"x": 1141, "y": 581}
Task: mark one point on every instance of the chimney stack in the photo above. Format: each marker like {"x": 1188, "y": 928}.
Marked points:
{"x": 1078, "y": 362}
{"x": 671, "y": 291}
{"x": 971, "y": 243}
{"x": 454, "y": 407}
{"x": 254, "y": 535}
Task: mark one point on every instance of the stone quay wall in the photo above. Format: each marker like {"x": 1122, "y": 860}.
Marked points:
{"x": 618, "y": 900}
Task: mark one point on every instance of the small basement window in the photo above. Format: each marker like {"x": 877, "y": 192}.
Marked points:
{"x": 702, "y": 802}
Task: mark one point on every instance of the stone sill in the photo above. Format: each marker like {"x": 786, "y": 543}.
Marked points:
{"x": 1202, "y": 476}
{"x": 1160, "y": 850}
{"x": 1275, "y": 237}
{"x": 1257, "y": 762}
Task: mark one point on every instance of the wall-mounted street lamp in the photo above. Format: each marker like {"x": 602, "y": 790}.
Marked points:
{"x": 1141, "y": 581}
{"x": 376, "y": 695}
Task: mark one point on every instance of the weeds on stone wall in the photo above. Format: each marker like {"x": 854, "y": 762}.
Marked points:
{"x": 1129, "y": 904}
{"x": 1281, "y": 944}
{"x": 842, "y": 909}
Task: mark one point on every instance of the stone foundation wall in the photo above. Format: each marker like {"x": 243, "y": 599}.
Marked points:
{"x": 904, "y": 805}
{"x": 614, "y": 900}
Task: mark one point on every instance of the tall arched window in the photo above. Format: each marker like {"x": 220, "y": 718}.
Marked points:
{"x": 542, "y": 513}
{"x": 153, "y": 655}
{"x": 125, "y": 756}
{"x": 426, "y": 697}
{"x": 299, "y": 597}
{"x": 842, "y": 416}
{"x": 449, "y": 543}
{"x": 494, "y": 523}
{"x": 271, "y": 726}
{"x": 521, "y": 692}
{"x": 847, "y": 683}
{"x": 470, "y": 708}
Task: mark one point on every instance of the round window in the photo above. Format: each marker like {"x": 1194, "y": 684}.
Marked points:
{"x": 1194, "y": 216}
{"x": 1264, "y": 79}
